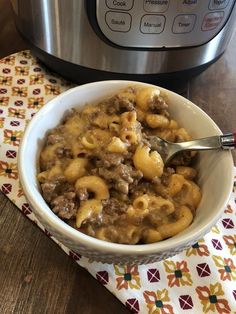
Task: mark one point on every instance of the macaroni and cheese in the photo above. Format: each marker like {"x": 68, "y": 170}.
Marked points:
{"x": 98, "y": 171}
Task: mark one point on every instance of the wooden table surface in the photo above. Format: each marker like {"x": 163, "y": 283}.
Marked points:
{"x": 36, "y": 276}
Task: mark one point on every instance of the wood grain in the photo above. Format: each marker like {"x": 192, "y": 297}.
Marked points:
{"x": 214, "y": 91}
{"x": 10, "y": 41}
{"x": 36, "y": 276}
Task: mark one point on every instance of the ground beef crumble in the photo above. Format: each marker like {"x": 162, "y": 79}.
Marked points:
{"x": 64, "y": 205}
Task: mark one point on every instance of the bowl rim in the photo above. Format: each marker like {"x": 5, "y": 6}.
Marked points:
{"x": 93, "y": 243}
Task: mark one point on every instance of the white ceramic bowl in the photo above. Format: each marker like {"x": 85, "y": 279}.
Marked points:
{"x": 215, "y": 177}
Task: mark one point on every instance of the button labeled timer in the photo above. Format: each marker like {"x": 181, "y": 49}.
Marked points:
{"x": 184, "y": 23}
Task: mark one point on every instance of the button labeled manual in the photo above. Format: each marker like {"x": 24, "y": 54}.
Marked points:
{"x": 152, "y": 24}
{"x": 118, "y": 22}
{"x": 184, "y": 23}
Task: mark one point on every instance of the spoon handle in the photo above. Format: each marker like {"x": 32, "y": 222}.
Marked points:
{"x": 206, "y": 143}
{"x": 225, "y": 141}
{"x": 228, "y": 140}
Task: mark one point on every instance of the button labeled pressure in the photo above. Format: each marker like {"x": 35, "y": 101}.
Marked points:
{"x": 155, "y": 6}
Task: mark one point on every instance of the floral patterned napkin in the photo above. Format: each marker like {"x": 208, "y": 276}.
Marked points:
{"x": 201, "y": 279}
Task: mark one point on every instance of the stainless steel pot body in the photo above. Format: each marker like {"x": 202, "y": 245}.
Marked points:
{"x": 85, "y": 33}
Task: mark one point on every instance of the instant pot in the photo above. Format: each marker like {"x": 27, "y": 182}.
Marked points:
{"x": 143, "y": 40}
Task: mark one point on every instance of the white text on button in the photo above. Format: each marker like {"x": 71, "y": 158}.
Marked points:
{"x": 152, "y": 24}
{"x": 212, "y": 20}
{"x": 156, "y": 6}
{"x": 118, "y": 22}
{"x": 120, "y": 4}
{"x": 184, "y": 23}
{"x": 218, "y": 4}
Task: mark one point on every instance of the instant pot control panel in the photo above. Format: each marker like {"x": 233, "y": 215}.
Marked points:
{"x": 161, "y": 23}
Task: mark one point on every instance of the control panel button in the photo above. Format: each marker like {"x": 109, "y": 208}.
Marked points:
{"x": 120, "y": 4}
{"x": 156, "y": 6}
{"x": 187, "y": 5}
{"x": 212, "y": 20}
{"x": 118, "y": 22}
{"x": 218, "y": 4}
{"x": 184, "y": 23}
{"x": 152, "y": 24}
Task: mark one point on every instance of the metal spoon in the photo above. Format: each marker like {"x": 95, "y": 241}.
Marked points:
{"x": 168, "y": 150}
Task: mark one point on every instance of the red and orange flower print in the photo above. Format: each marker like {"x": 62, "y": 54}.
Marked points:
{"x": 158, "y": 302}
{"x": 212, "y": 299}
{"x": 178, "y": 273}
{"x": 127, "y": 277}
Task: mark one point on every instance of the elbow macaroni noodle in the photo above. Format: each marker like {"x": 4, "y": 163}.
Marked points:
{"x": 98, "y": 168}
{"x": 93, "y": 184}
{"x": 117, "y": 146}
{"x": 157, "y": 121}
{"x": 75, "y": 169}
{"x": 149, "y": 163}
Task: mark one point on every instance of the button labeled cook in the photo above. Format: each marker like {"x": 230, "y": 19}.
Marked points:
{"x": 184, "y": 23}
{"x": 152, "y": 24}
{"x": 120, "y": 4}
{"x": 218, "y": 4}
{"x": 118, "y": 22}
{"x": 155, "y": 6}
{"x": 212, "y": 20}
